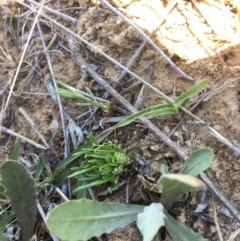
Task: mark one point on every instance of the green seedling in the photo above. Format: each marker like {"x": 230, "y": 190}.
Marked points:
{"x": 169, "y": 108}
{"x": 102, "y": 163}
{"x": 83, "y": 219}
{"x": 70, "y": 92}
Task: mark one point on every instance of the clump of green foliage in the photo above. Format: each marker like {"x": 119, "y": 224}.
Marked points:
{"x": 102, "y": 163}
{"x": 82, "y": 219}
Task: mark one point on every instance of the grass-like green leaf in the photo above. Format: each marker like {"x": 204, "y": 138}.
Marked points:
{"x": 59, "y": 180}
{"x": 181, "y": 100}
{"x": 199, "y": 161}
{"x": 83, "y": 219}
{"x": 179, "y": 232}
{"x": 20, "y": 188}
{"x": 14, "y": 152}
{"x": 3, "y": 237}
{"x": 155, "y": 110}
{"x": 150, "y": 221}
{"x": 70, "y": 92}
{"x": 71, "y": 157}
{"x": 175, "y": 185}
{"x": 6, "y": 221}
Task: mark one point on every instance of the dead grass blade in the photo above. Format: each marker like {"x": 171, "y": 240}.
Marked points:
{"x": 55, "y": 12}
{"x": 12, "y": 133}
{"x": 33, "y": 125}
{"x": 216, "y": 220}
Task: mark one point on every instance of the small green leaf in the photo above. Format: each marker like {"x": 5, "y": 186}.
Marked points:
{"x": 179, "y": 232}
{"x": 93, "y": 139}
{"x": 164, "y": 169}
{"x": 20, "y": 188}
{"x": 83, "y": 219}
{"x": 189, "y": 93}
{"x": 175, "y": 185}
{"x": 199, "y": 161}
{"x": 40, "y": 168}
{"x": 14, "y": 153}
{"x": 150, "y": 221}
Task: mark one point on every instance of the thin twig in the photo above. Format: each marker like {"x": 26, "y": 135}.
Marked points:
{"x": 12, "y": 133}
{"x": 55, "y": 85}
{"x": 57, "y": 13}
{"x": 65, "y": 198}
{"x": 216, "y": 220}
{"x": 33, "y": 125}
{"x": 132, "y": 61}
{"x": 40, "y": 210}
{"x": 139, "y": 51}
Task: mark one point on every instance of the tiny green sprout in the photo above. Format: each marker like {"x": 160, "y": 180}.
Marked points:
{"x": 102, "y": 163}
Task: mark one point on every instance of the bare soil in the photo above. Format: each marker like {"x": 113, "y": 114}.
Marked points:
{"x": 192, "y": 51}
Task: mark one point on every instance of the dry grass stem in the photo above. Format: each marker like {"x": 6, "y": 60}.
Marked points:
{"x": 12, "y": 133}
{"x": 33, "y": 125}
{"x": 55, "y": 12}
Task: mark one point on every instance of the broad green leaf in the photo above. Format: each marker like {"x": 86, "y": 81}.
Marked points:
{"x": 164, "y": 169}
{"x": 179, "y": 232}
{"x": 161, "y": 109}
{"x": 83, "y": 219}
{"x": 199, "y": 161}
{"x": 190, "y": 92}
{"x": 175, "y": 185}
{"x": 20, "y": 188}
{"x": 14, "y": 153}
{"x": 151, "y": 220}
